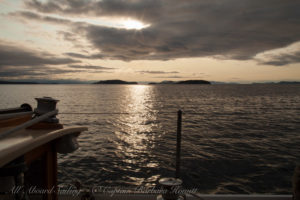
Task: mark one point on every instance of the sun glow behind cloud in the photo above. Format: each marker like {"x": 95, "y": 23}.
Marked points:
{"x": 126, "y": 23}
{"x": 134, "y": 24}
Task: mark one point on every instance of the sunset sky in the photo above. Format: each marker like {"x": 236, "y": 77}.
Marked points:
{"x": 150, "y": 40}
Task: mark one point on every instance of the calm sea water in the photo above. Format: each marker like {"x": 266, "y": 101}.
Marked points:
{"x": 236, "y": 138}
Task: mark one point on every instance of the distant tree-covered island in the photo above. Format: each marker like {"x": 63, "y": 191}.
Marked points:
{"x": 289, "y": 82}
{"x": 115, "y": 82}
{"x": 193, "y": 82}
{"x": 183, "y": 82}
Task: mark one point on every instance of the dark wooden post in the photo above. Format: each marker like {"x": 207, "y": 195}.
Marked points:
{"x": 178, "y": 144}
{"x": 51, "y": 172}
{"x": 43, "y": 172}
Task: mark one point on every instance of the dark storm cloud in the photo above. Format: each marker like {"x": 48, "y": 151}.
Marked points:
{"x": 227, "y": 29}
{"x": 11, "y": 55}
{"x": 157, "y": 72}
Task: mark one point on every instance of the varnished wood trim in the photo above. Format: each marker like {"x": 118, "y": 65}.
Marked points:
{"x": 14, "y": 121}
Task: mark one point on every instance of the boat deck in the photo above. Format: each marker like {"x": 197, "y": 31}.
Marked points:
{"x": 25, "y": 140}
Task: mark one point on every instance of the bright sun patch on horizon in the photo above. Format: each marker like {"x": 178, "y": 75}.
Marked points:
{"x": 133, "y": 24}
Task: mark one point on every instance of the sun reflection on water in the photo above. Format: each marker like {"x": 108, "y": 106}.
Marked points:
{"x": 136, "y": 136}
{"x": 138, "y": 125}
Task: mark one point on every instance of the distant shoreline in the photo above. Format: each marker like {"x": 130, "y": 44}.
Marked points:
{"x": 19, "y": 83}
{"x": 121, "y": 82}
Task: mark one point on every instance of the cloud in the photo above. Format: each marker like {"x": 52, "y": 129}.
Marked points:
{"x": 33, "y": 72}
{"x": 137, "y": 9}
{"x": 157, "y": 72}
{"x": 228, "y": 29}
{"x": 90, "y": 56}
{"x": 283, "y": 59}
{"x": 280, "y": 57}
{"x": 90, "y": 67}
{"x": 37, "y": 17}
{"x": 173, "y": 77}
{"x": 11, "y": 73}
{"x": 20, "y": 61}
{"x": 63, "y": 6}
{"x": 12, "y": 55}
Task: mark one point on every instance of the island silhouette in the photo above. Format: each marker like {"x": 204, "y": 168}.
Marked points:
{"x": 182, "y": 82}
{"x": 115, "y": 82}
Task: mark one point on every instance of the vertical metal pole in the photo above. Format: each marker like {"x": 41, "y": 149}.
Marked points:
{"x": 178, "y": 144}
